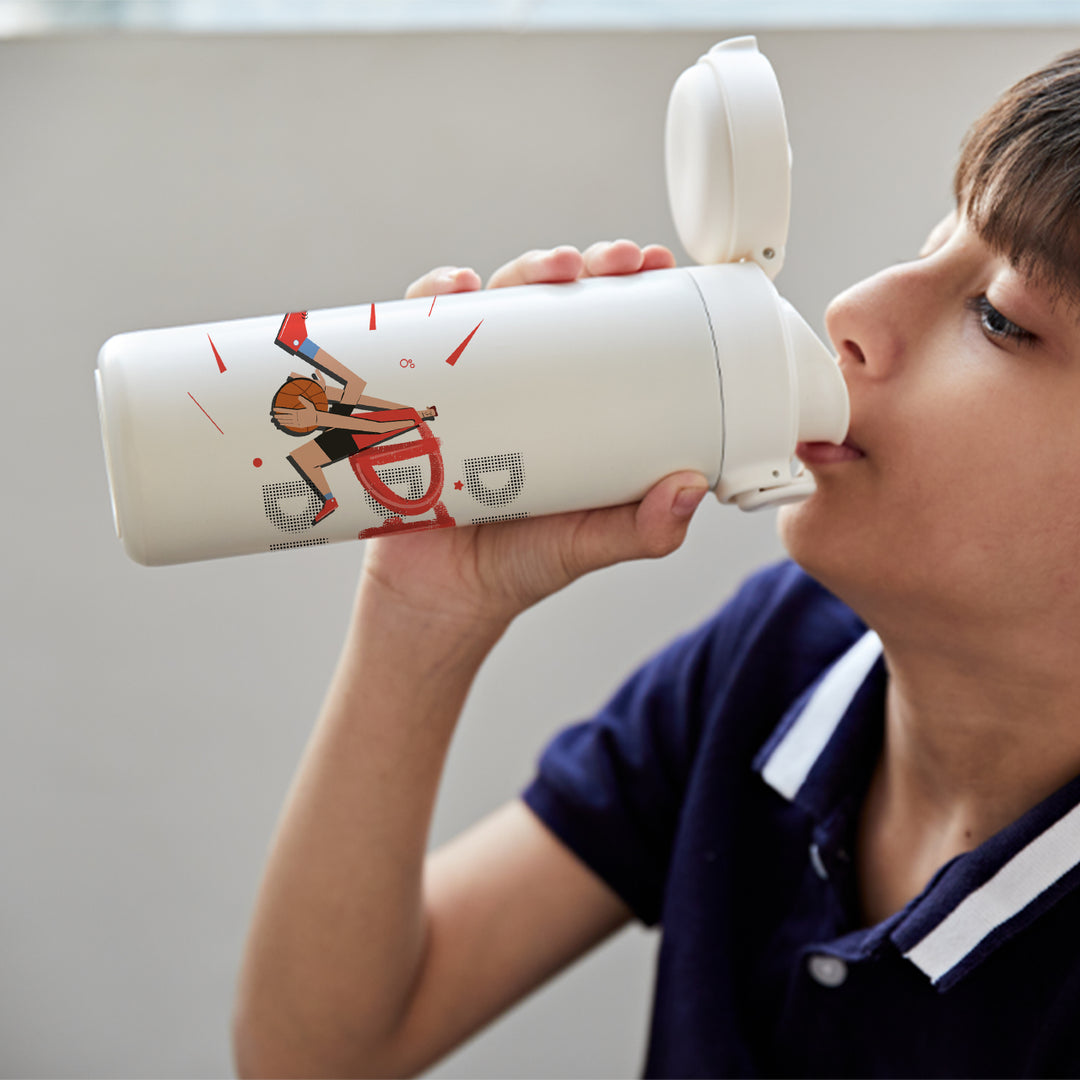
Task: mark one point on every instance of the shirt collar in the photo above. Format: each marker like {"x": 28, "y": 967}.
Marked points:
{"x": 826, "y": 743}
{"x": 800, "y": 741}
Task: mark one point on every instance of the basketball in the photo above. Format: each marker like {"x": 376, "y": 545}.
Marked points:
{"x": 292, "y": 393}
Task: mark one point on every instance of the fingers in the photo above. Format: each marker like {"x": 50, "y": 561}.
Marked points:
{"x": 611, "y": 257}
{"x": 663, "y": 516}
{"x": 647, "y": 530}
{"x": 442, "y": 280}
{"x": 548, "y": 266}
{"x": 657, "y": 257}
{"x": 568, "y": 264}
{"x": 539, "y": 267}
{"x": 294, "y": 416}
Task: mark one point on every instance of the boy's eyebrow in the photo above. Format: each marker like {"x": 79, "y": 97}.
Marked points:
{"x": 1062, "y": 296}
{"x": 1044, "y": 265}
{"x": 1061, "y": 282}
{"x": 1062, "y": 285}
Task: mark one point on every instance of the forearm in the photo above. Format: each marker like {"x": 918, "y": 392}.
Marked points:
{"x": 338, "y": 935}
{"x": 352, "y": 385}
{"x": 360, "y": 423}
{"x": 365, "y": 401}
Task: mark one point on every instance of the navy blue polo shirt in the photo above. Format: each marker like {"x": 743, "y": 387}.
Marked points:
{"x": 718, "y": 794}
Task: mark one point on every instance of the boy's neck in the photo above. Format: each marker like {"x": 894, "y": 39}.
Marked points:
{"x": 973, "y": 740}
{"x": 981, "y": 735}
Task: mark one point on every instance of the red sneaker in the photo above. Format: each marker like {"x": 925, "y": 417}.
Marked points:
{"x": 293, "y": 331}
{"x": 328, "y": 508}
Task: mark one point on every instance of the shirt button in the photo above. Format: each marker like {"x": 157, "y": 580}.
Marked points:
{"x": 828, "y": 971}
{"x": 818, "y": 863}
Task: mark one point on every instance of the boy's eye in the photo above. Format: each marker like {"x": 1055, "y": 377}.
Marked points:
{"x": 995, "y": 325}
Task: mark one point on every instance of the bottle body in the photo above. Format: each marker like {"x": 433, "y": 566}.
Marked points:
{"x": 546, "y": 399}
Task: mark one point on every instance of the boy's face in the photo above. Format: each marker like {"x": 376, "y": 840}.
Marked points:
{"x": 964, "y": 379}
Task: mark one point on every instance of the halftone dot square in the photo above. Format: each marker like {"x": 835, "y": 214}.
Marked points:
{"x": 477, "y": 468}
{"x": 298, "y": 519}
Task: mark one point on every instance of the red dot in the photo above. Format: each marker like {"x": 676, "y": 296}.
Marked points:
{"x": 257, "y": 463}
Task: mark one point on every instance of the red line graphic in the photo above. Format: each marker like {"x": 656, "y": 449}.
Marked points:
{"x": 217, "y": 355}
{"x": 204, "y": 412}
{"x": 371, "y": 325}
{"x": 453, "y": 358}
{"x": 432, "y": 308}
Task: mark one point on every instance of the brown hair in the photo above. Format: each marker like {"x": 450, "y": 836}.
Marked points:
{"x": 1018, "y": 177}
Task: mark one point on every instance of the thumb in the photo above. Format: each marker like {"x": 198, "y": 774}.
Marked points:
{"x": 650, "y": 529}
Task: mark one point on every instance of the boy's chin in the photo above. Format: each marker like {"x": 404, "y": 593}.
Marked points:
{"x": 811, "y": 537}
{"x": 795, "y": 524}
{"x": 851, "y": 556}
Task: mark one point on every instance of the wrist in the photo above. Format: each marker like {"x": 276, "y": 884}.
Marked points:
{"x": 441, "y": 623}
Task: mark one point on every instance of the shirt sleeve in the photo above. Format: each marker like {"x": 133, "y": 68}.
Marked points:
{"x": 612, "y": 788}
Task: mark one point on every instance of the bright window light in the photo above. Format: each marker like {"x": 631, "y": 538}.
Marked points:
{"x": 28, "y": 17}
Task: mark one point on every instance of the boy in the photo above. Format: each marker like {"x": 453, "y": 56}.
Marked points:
{"x": 852, "y": 798}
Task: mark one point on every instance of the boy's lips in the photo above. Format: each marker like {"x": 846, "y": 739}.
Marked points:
{"x": 824, "y": 453}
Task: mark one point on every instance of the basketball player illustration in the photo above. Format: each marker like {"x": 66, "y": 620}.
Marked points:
{"x": 304, "y": 404}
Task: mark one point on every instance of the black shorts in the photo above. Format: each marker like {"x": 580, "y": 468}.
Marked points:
{"x": 336, "y": 443}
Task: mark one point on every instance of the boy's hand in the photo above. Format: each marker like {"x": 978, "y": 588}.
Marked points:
{"x": 494, "y": 571}
{"x": 568, "y": 264}
{"x": 546, "y": 267}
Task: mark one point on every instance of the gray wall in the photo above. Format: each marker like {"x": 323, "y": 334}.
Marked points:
{"x": 152, "y": 718}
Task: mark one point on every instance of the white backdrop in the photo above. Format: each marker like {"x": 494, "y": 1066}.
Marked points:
{"x": 151, "y": 719}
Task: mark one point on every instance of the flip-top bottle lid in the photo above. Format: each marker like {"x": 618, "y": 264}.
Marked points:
{"x": 728, "y": 158}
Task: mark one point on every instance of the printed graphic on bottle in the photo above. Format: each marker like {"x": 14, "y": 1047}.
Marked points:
{"x": 352, "y": 425}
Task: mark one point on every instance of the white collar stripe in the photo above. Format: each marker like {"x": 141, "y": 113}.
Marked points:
{"x": 794, "y": 756}
{"x": 1023, "y": 878}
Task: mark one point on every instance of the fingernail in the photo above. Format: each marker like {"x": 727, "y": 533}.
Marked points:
{"x": 687, "y": 500}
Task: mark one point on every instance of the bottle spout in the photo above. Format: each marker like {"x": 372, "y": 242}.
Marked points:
{"x": 824, "y": 409}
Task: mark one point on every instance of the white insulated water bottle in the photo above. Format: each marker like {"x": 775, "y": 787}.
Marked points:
{"x": 303, "y": 428}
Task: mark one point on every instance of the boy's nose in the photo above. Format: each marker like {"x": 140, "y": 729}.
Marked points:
{"x": 842, "y": 318}
{"x": 870, "y": 323}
